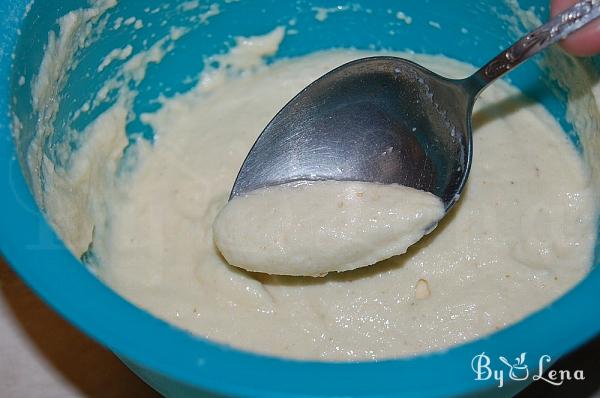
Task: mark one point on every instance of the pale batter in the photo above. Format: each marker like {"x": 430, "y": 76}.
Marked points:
{"x": 315, "y": 227}
{"x": 521, "y": 235}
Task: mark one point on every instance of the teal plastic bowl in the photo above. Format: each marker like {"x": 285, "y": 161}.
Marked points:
{"x": 173, "y": 361}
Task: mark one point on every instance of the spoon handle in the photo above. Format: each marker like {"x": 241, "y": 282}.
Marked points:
{"x": 551, "y": 32}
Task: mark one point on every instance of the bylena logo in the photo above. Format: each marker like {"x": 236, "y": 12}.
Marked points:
{"x": 518, "y": 370}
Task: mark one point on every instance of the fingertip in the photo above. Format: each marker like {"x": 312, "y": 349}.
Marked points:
{"x": 586, "y": 41}
{"x": 580, "y": 48}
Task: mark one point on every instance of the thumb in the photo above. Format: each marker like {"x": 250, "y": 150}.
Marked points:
{"x": 584, "y": 42}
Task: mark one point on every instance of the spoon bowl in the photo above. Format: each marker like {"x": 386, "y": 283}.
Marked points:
{"x": 375, "y": 119}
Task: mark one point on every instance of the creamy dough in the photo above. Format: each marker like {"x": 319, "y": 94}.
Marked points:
{"x": 521, "y": 235}
{"x": 315, "y": 227}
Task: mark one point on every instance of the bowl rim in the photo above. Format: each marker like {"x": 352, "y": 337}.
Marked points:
{"x": 74, "y": 292}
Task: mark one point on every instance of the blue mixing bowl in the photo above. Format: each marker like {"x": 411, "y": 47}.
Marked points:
{"x": 173, "y": 361}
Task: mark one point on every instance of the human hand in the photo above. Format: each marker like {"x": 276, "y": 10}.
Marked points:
{"x": 584, "y": 42}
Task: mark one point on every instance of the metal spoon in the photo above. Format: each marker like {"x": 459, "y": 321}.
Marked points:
{"x": 388, "y": 120}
